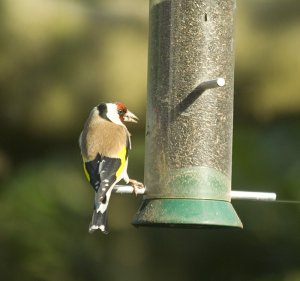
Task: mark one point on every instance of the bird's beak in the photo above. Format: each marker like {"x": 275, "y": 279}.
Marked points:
{"x": 130, "y": 117}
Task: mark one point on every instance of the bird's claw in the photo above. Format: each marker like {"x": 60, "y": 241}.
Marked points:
{"x": 136, "y": 185}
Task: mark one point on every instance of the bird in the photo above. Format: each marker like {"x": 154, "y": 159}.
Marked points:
{"x": 104, "y": 144}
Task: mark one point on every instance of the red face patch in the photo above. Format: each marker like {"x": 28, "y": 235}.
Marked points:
{"x": 122, "y": 109}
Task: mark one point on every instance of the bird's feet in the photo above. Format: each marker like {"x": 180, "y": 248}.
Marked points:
{"x": 136, "y": 185}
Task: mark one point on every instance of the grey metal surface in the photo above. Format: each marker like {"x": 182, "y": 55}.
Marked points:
{"x": 190, "y": 42}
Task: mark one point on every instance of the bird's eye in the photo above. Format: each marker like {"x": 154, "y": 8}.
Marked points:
{"x": 121, "y": 112}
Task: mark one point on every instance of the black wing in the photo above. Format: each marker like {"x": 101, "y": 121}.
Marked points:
{"x": 101, "y": 173}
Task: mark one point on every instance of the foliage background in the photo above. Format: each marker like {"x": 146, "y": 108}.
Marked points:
{"x": 60, "y": 58}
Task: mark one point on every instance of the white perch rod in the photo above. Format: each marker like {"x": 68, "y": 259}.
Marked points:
{"x": 235, "y": 195}
{"x": 210, "y": 84}
{"x": 127, "y": 189}
{"x": 251, "y": 195}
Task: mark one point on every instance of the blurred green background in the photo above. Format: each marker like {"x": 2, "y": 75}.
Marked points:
{"x": 60, "y": 58}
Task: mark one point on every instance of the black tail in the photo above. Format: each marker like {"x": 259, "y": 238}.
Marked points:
{"x": 99, "y": 221}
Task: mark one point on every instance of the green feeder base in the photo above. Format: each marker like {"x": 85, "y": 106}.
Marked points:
{"x": 186, "y": 213}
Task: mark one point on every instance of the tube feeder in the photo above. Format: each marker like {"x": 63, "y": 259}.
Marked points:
{"x": 189, "y": 122}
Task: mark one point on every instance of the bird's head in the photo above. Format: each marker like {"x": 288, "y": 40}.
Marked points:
{"x": 116, "y": 112}
{"x": 124, "y": 114}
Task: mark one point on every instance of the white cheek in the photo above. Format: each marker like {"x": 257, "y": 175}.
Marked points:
{"x": 112, "y": 113}
{"x": 114, "y": 118}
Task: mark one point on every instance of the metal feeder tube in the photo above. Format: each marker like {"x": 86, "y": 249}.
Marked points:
{"x": 189, "y": 115}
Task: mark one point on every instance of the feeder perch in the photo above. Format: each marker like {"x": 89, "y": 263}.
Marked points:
{"x": 234, "y": 194}
{"x": 189, "y": 118}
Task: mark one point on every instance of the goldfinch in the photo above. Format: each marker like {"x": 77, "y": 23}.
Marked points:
{"x": 104, "y": 144}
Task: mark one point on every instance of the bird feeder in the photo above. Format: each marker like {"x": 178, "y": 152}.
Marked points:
{"x": 189, "y": 119}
